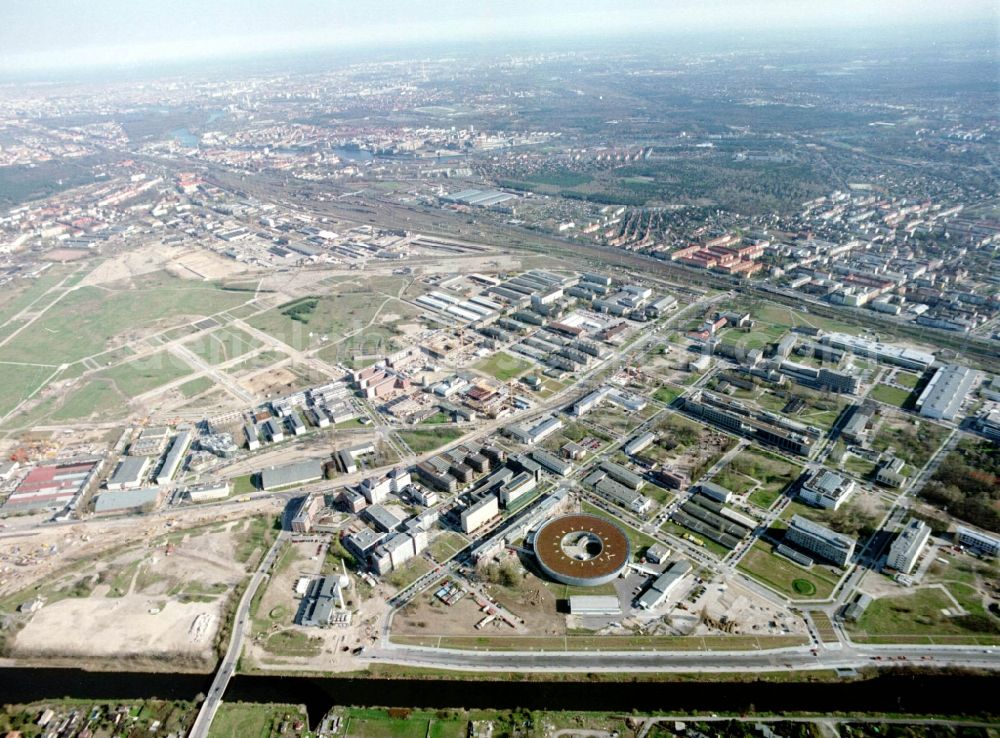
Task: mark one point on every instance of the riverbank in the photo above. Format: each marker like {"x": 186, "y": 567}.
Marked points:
{"x": 900, "y": 691}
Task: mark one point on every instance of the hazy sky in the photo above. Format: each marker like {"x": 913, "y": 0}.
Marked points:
{"x": 47, "y": 34}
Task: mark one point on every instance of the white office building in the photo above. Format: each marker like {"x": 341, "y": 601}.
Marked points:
{"x": 820, "y": 540}
{"x": 974, "y": 539}
{"x": 826, "y": 489}
{"x": 908, "y": 545}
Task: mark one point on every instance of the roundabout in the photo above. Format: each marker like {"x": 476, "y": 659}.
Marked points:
{"x": 582, "y": 549}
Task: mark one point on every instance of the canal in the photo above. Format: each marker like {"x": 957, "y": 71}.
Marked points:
{"x": 900, "y": 693}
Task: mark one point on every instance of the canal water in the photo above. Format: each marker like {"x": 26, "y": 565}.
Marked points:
{"x": 889, "y": 693}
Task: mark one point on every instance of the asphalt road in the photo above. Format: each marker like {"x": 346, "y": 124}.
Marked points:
{"x": 795, "y": 659}
{"x": 240, "y": 622}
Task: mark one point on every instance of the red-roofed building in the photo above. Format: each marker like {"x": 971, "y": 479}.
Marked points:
{"x": 49, "y": 486}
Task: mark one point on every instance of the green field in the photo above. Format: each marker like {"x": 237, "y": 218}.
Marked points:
{"x": 96, "y": 397}
{"x": 446, "y": 545}
{"x": 604, "y": 642}
{"x": 503, "y": 366}
{"x": 84, "y": 322}
{"x": 787, "y": 577}
{"x": 243, "y": 720}
{"x": 771, "y": 470}
{"x": 408, "y": 573}
{"x": 778, "y": 315}
{"x": 735, "y": 481}
{"x": 145, "y": 374}
{"x": 222, "y": 345}
{"x": 17, "y": 382}
{"x": 422, "y": 441}
{"x": 25, "y": 293}
{"x": 331, "y": 317}
{"x": 196, "y": 386}
{"x": 919, "y": 613}
{"x": 405, "y": 723}
{"x": 907, "y": 380}
{"x": 763, "y": 498}
{"x": 292, "y": 643}
{"x": 762, "y": 335}
{"x": 253, "y": 363}
{"x": 666, "y": 394}
{"x": 106, "y": 392}
{"x": 889, "y": 395}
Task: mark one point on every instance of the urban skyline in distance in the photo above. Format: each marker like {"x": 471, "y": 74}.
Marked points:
{"x": 62, "y": 35}
{"x": 499, "y": 369}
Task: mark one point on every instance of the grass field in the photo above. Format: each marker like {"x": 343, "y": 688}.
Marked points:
{"x": 446, "y": 545}
{"x": 243, "y": 720}
{"x": 258, "y": 361}
{"x": 889, "y": 395}
{"x": 222, "y": 345}
{"x": 17, "y": 382}
{"x": 666, "y": 394}
{"x": 422, "y": 441}
{"x": 778, "y": 315}
{"x": 786, "y": 577}
{"x": 916, "y": 613}
{"x": 145, "y": 374}
{"x": 603, "y": 643}
{"x": 333, "y": 316}
{"x": 763, "y": 498}
{"x": 409, "y": 572}
{"x": 98, "y": 397}
{"x": 818, "y": 410}
{"x": 503, "y": 366}
{"x": 25, "y": 293}
{"x": 907, "y": 380}
{"x": 84, "y": 322}
{"x": 758, "y": 338}
{"x": 735, "y": 481}
{"x": 374, "y": 723}
{"x": 293, "y": 643}
{"x": 196, "y": 386}
{"x": 771, "y": 470}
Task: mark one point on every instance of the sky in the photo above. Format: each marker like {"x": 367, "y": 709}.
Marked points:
{"x": 71, "y": 34}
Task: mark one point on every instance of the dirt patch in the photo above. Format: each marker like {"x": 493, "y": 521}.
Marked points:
{"x": 532, "y": 602}
{"x": 149, "y": 602}
{"x": 65, "y": 255}
{"x": 410, "y": 329}
{"x": 130, "y": 264}
{"x": 271, "y": 381}
{"x": 120, "y": 628}
{"x": 205, "y": 265}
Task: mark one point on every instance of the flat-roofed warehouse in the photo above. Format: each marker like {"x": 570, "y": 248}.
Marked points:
{"x": 175, "y": 457}
{"x": 127, "y": 499}
{"x": 301, "y": 472}
{"x": 594, "y": 605}
{"x": 130, "y": 473}
{"x": 479, "y": 198}
{"x": 943, "y": 396}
